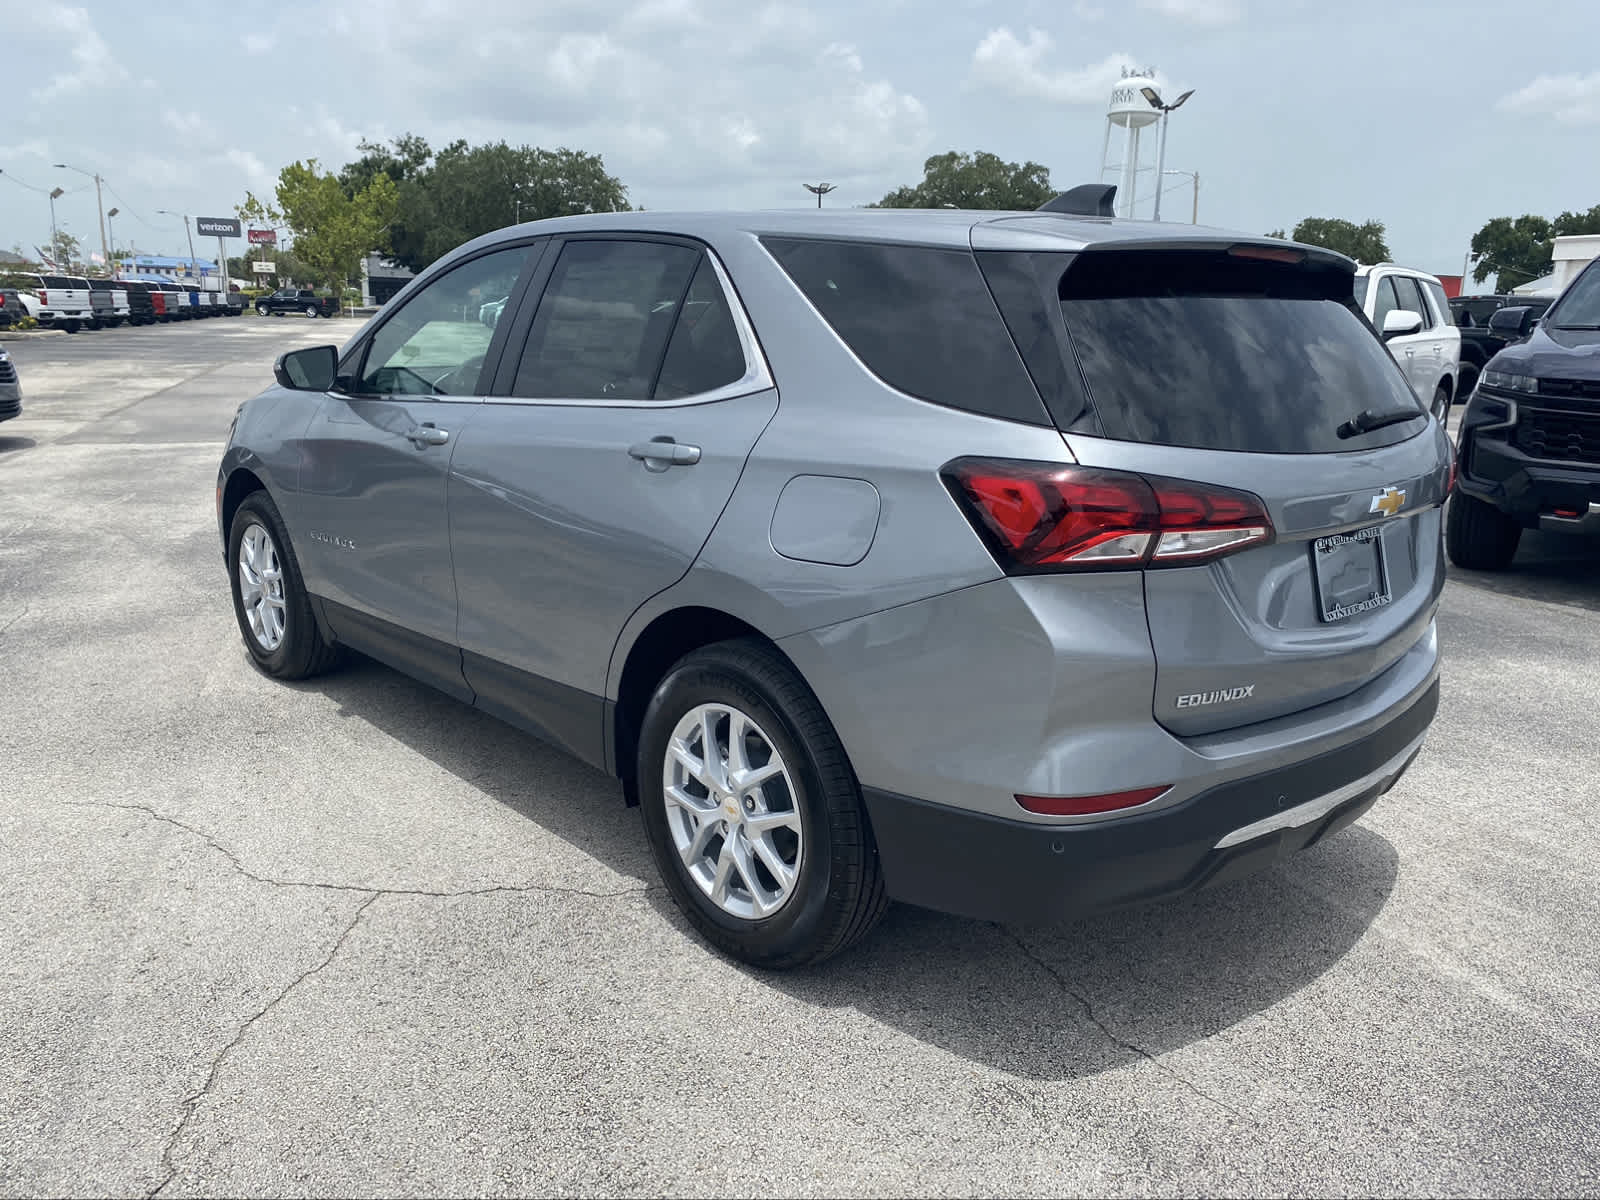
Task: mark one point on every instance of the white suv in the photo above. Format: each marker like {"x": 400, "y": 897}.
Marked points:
{"x": 1410, "y": 310}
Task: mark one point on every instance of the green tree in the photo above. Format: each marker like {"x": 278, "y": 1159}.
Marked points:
{"x": 332, "y": 230}
{"x": 1514, "y": 250}
{"x": 981, "y": 180}
{"x": 1279, "y": 234}
{"x": 465, "y": 191}
{"x": 1363, "y": 242}
{"x": 405, "y": 157}
{"x": 65, "y": 250}
{"x": 1569, "y": 223}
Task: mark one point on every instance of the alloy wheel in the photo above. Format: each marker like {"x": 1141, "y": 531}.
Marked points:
{"x": 733, "y": 811}
{"x": 261, "y": 587}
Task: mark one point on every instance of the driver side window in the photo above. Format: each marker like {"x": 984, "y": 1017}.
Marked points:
{"x": 435, "y": 345}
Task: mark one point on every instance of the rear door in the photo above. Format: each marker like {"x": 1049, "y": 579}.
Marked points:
{"x": 1239, "y": 372}
{"x": 621, "y": 422}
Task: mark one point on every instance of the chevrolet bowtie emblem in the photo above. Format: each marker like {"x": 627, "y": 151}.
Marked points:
{"x": 1389, "y": 501}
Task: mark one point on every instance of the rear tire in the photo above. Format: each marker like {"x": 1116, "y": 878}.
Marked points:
{"x": 69, "y": 326}
{"x": 311, "y": 310}
{"x": 1479, "y": 536}
{"x": 1441, "y": 403}
{"x": 1469, "y": 380}
{"x": 835, "y": 895}
{"x": 270, "y": 600}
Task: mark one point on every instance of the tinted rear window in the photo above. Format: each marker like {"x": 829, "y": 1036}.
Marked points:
{"x": 920, "y": 318}
{"x": 1199, "y": 348}
{"x": 60, "y": 281}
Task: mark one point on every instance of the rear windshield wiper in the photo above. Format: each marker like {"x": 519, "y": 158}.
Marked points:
{"x": 1366, "y": 420}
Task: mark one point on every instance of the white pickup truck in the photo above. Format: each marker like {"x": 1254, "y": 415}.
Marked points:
{"x": 63, "y": 300}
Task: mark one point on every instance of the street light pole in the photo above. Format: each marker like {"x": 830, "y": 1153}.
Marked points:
{"x": 1153, "y": 97}
{"x": 100, "y": 204}
{"x": 819, "y": 190}
{"x": 116, "y": 267}
{"x": 55, "y": 238}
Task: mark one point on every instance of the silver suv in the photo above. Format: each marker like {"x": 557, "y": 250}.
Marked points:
{"x": 1011, "y": 564}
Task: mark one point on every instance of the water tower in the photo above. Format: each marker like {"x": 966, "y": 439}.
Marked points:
{"x": 1130, "y": 112}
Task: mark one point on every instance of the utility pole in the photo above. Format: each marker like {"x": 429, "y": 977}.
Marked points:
{"x": 100, "y": 204}
{"x": 819, "y": 190}
{"x": 116, "y": 266}
{"x": 1194, "y": 217}
{"x": 193, "y": 270}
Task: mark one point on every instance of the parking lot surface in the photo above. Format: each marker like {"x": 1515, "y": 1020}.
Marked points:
{"x": 352, "y": 937}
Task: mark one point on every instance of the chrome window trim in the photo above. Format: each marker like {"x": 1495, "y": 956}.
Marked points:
{"x": 757, "y": 375}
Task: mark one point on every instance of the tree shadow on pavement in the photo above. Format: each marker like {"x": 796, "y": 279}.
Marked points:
{"x": 1051, "y": 1002}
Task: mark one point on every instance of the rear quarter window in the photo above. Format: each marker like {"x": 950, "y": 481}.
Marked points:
{"x": 919, "y": 317}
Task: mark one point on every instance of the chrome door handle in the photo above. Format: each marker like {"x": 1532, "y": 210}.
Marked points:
{"x": 427, "y": 435}
{"x": 660, "y": 453}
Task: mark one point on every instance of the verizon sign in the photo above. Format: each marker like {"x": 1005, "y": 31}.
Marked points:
{"x": 218, "y": 227}
{"x": 263, "y": 237}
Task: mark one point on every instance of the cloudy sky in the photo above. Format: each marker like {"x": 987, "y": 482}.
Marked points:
{"x": 1430, "y": 116}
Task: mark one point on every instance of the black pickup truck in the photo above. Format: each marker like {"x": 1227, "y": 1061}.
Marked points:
{"x": 300, "y": 300}
{"x": 1479, "y": 343}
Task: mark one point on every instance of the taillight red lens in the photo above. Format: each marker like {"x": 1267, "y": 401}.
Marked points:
{"x": 44, "y": 296}
{"x": 1050, "y": 516}
{"x": 1082, "y": 806}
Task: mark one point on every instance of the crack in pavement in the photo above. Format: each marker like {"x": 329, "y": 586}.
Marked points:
{"x": 240, "y": 868}
{"x": 1113, "y": 1038}
{"x": 192, "y": 1103}
{"x": 14, "y": 619}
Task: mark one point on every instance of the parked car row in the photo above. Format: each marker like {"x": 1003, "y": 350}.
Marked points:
{"x": 1412, "y": 314}
{"x": 74, "y": 302}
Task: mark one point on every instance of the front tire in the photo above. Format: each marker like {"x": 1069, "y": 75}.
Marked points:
{"x": 752, "y": 810}
{"x": 269, "y": 595}
{"x": 1479, "y": 536}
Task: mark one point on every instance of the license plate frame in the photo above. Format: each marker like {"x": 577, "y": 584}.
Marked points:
{"x": 1346, "y": 565}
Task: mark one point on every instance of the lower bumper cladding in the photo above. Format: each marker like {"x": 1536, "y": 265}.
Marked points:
{"x": 975, "y": 865}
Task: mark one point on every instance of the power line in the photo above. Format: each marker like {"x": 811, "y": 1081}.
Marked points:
{"x": 13, "y": 179}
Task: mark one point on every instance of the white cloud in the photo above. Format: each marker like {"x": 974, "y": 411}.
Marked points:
{"x": 1085, "y": 11}
{"x": 96, "y": 65}
{"x": 1005, "y": 62}
{"x": 1197, "y": 12}
{"x": 1571, "y": 99}
{"x": 259, "y": 43}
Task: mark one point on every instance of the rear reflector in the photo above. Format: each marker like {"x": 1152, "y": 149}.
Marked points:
{"x": 1053, "y": 517}
{"x": 1079, "y": 806}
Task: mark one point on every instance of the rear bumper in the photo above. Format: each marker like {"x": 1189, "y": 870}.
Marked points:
{"x": 987, "y": 867}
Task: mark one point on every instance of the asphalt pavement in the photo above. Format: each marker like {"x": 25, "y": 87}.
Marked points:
{"x": 352, "y": 937}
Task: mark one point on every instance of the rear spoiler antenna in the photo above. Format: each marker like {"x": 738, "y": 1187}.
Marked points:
{"x": 1085, "y": 200}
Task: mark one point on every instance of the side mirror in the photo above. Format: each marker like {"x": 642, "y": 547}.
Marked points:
{"x": 1400, "y": 322}
{"x": 1513, "y": 323}
{"x": 308, "y": 370}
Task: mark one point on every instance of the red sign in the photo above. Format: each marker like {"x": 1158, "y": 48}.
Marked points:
{"x": 263, "y": 237}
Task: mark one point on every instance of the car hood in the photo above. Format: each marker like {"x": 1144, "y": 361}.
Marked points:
{"x": 1561, "y": 353}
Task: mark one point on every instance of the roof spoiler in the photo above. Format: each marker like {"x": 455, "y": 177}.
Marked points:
{"x": 1085, "y": 200}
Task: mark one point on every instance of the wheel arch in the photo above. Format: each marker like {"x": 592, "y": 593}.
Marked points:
{"x": 661, "y": 643}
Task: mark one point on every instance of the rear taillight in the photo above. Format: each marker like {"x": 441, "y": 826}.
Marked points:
{"x": 1053, "y": 517}
{"x": 44, "y": 296}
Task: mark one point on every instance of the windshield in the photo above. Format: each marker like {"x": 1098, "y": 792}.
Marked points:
{"x": 1360, "y": 288}
{"x": 1579, "y": 307}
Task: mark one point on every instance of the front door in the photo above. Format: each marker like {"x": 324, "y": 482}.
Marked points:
{"x": 376, "y": 540}
{"x": 1413, "y": 351}
{"x": 591, "y": 484}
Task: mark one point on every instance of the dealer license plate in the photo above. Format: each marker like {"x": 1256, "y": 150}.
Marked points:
{"x": 1352, "y": 576}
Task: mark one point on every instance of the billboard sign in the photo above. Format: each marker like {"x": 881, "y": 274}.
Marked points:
{"x": 263, "y": 237}
{"x": 263, "y": 268}
{"x": 218, "y": 227}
